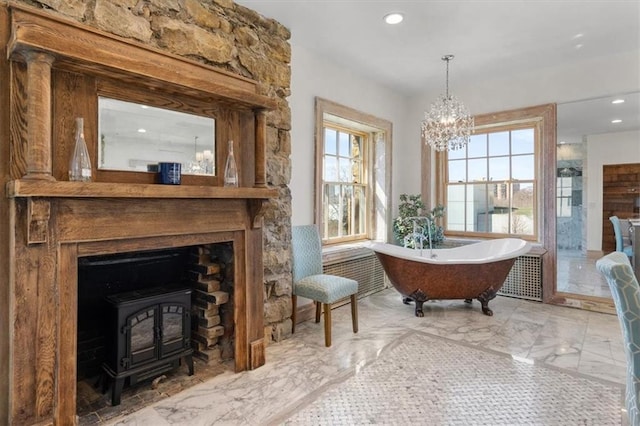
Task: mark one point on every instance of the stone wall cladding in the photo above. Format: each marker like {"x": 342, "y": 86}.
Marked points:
{"x": 234, "y": 38}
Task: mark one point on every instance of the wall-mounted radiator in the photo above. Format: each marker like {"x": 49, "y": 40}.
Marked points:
{"x": 525, "y": 279}
{"x": 366, "y": 269}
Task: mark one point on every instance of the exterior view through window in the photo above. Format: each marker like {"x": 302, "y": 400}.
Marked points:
{"x": 344, "y": 186}
{"x": 492, "y": 183}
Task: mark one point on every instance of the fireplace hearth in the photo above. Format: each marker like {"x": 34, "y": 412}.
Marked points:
{"x": 102, "y": 277}
{"x": 142, "y": 314}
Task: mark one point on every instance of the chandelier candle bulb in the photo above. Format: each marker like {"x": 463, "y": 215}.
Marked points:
{"x": 447, "y": 125}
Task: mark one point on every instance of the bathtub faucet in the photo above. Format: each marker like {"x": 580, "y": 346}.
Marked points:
{"x": 418, "y": 235}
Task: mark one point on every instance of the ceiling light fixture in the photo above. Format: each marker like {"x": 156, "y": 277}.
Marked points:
{"x": 141, "y": 130}
{"x": 447, "y": 125}
{"x": 616, "y": 121}
{"x": 617, "y": 101}
{"x": 393, "y": 18}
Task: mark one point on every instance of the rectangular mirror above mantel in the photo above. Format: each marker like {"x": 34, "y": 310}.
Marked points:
{"x": 58, "y": 69}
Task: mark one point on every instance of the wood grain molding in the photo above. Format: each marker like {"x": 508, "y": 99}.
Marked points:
{"x": 86, "y": 50}
{"x": 257, "y": 354}
{"x": 261, "y": 149}
{"x": 38, "y": 213}
{"x": 39, "y": 115}
{"x": 256, "y": 212}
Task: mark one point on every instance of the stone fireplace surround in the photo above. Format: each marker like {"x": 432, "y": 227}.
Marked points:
{"x": 53, "y": 222}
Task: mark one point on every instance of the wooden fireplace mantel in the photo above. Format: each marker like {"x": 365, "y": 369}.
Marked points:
{"x": 51, "y": 222}
{"x": 22, "y": 188}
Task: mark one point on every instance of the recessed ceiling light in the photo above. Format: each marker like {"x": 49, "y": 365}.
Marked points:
{"x": 393, "y": 18}
{"x": 617, "y": 101}
{"x": 616, "y": 121}
{"x": 141, "y": 130}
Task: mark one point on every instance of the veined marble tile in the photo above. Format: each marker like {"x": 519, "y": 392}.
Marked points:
{"x": 301, "y": 368}
{"x": 602, "y": 367}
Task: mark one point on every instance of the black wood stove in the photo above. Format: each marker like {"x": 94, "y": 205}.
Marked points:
{"x": 151, "y": 335}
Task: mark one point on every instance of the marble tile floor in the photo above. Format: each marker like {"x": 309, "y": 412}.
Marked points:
{"x": 298, "y": 368}
{"x": 577, "y": 274}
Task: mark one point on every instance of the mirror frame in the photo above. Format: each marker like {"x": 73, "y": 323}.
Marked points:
{"x": 138, "y": 152}
{"x": 158, "y": 99}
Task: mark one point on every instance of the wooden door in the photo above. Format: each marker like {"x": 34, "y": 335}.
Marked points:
{"x": 620, "y": 192}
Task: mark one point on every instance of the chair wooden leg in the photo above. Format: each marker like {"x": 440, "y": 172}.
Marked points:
{"x": 318, "y": 309}
{"x": 327, "y": 325}
{"x": 354, "y": 312}
{"x": 294, "y": 302}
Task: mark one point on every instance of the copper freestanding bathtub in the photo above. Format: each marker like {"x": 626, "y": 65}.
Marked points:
{"x": 474, "y": 271}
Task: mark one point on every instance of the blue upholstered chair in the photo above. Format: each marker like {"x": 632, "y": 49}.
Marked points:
{"x": 626, "y": 296}
{"x": 311, "y": 283}
{"x": 617, "y": 230}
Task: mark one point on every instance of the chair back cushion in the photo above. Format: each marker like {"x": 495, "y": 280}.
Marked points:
{"x": 306, "y": 251}
{"x": 626, "y": 297}
{"x": 618, "y": 232}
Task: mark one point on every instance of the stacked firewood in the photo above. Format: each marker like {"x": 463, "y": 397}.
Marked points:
{"x": 207, "y": 298}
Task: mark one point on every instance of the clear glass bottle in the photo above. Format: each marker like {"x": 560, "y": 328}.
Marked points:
{"x": 80, "y": 164}
{"x": 231, "y": 169}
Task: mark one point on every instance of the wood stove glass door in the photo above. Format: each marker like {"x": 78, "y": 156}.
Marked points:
{"x": 174, "y": 329}
{"x": 142, "y": 341}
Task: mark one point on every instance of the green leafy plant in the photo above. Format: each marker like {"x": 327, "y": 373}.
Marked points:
{"x": 411, "y": 207}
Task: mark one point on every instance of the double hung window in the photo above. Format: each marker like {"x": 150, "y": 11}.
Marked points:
{"x": 491, "y": 185}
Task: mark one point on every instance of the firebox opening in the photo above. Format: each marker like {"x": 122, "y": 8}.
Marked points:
{"x": 204, "y": 272}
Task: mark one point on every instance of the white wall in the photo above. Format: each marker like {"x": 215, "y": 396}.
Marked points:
{"x": 313, "y": 76}
{"x": 613, "y": 148}
{"x": 580, "y": 80}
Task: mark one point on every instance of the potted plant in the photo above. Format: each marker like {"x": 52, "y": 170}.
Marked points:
{"x": 410, "y": 208}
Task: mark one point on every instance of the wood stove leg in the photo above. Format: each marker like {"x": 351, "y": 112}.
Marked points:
{"x": 189, "y": 360}
{"x": 118, "y": 384}
{"x": 104, "y": 381}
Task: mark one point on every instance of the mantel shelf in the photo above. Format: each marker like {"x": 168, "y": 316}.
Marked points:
{"x": 25, "y": 188}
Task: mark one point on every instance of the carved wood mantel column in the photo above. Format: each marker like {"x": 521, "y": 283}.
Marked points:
{"x": 39, "y": 115}
{"x": 261, "y": 149}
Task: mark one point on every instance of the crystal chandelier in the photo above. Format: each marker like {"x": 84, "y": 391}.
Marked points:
{"x": 448, "y": 124}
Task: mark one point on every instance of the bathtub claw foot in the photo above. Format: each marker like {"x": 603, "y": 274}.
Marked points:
{"x": 419, "y": 297}
{"x": 407, "y": 300}
{"x": 484, "y": 298}
{"x": 486, "y": 310}
{"x": 469, "y": 301}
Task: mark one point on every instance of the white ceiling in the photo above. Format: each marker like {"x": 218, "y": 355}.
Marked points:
{"x": 489, "y": 38}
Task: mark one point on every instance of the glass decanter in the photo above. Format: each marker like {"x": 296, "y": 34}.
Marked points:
{"x": 80, "y": 164}
{"x": 231, "y": 169}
